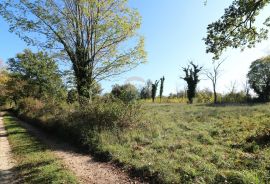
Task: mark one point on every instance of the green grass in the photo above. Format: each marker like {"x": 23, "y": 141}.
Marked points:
{"x": 35, "y": 163}
{"x": 196, "y": 144}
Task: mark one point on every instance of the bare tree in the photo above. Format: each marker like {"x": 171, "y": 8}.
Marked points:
{"x": 213, "y": 75}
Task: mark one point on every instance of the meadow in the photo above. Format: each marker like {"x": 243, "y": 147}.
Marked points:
{"x": 179, "y": 143}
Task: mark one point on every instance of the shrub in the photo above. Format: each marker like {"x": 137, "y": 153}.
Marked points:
{"x": 127, "y": 92}
{"x": 106, "y": 114}
{"x": 234, "y": 97}
{"x": 204, "y": 96}
{"x": 30, "y": 107}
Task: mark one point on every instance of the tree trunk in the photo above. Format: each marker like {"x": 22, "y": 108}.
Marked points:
{"x": 84, "y": 82}
{"x": 215, "y": 97}
{"x": 215, "y": 94}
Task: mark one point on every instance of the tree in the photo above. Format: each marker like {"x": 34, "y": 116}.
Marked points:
{"x": 92, "y": 34}
{"x": 34, "y": 75}
{"x": 236, "y": 28}
{"x": 154, "y": 90}
{"x": 127, "y": 92}
{"x": 192, "y": 79}
{"x": 4, "y": 78}
{"x": 214, "y": 75}
{"x": 161, "y": 87}
{"x": 259, "y": 78}
{"x": 146, "y": 90}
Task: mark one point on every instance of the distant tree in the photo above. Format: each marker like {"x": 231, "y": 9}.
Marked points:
{"x": 154, "y": 90}
{"x": 192, "y": 79}
{"x": 259, "y": 78}
{"x": 237, "y": 28}
{"x": 146, "y": 90}
{"x": 35, "y": 75}
{"x": 161, "y": 87}
{"x": 4, "y": 78}
{"x": 127, "y": 92}
{"x": 214, "y": 75}
{"x": 92, "y": 34}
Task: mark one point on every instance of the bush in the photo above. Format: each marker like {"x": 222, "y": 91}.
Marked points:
{"x": 127, "y": 93}
{"x": 235, "y": 97}
{"x": 30, "y": 107}
{"x": 204, "y": 96}
{"x": 106, "y": 114}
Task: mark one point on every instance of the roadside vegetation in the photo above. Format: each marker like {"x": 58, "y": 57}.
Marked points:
{"x": 35, "y": 163}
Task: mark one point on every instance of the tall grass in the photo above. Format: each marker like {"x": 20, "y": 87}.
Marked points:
{"x": 174, "y": 143}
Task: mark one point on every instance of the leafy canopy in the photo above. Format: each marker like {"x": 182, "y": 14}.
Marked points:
{"x": 98, "y": 36}
{"x": 35, "y": 75}
{"x": 236, "y": 27}
{"x": 259, "y": 78}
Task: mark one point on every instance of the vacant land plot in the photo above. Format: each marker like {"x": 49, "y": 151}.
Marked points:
{"x": 197, "y": 143}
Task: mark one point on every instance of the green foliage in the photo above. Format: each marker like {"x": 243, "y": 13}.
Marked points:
{"x": 204, "y": 96}
{"x": 72, "y": 96}
{"x": 30, "y": 107}
{"x": 192, "y": 79}
{"x": 236, "y": 28}
{"x": 91, "y": 34}
{"x": 154, "y": 90}
{"x": 34, "y": 75}
{"x": 4, "y": 78}
{"x": 127, "y": 92}
{"x": 235, "y": 97}
{"x": 259, "y": 78}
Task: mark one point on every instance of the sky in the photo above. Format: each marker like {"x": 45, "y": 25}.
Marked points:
{"x": 173, "y": 31}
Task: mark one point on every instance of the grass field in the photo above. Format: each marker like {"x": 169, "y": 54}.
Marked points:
{"x": 36, "y": 164}
{"x": 197, "y": 144}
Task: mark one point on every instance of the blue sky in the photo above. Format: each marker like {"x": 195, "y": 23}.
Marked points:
{"x": 173, "y": 31}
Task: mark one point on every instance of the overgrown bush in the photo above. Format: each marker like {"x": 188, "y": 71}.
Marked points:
{"x": 235, "y": 97}
{"x": 30, "y": 107}
{"x": 127, "y": 92}
{"x": 205, "y": 96}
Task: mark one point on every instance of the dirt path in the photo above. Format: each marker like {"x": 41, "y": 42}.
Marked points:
{"x": 7, "y": 175}
{"x": 84, "y": 167}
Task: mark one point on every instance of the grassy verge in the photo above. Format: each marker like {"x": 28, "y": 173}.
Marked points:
{"x": 36, "y": 164}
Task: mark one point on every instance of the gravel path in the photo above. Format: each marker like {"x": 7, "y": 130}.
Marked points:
{"x": 7, "y": 174}
{"x": 83, "y": 166}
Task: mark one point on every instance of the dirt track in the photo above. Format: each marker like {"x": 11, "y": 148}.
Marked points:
{"x": 83, "y": 166}
{"x": 7, "y": 164}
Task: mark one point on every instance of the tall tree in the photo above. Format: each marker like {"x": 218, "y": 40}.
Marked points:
{"x": 92, "y": 34}
{"x": 236, "y": 28}
{"x": 154, "y": 90}
{"x": 192, "y": 78}
{"x": 161, "y": 87}
{"x": 214, "y": 75}
{"x": 37, "y": 74}
{"x": 259, "y": 78}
